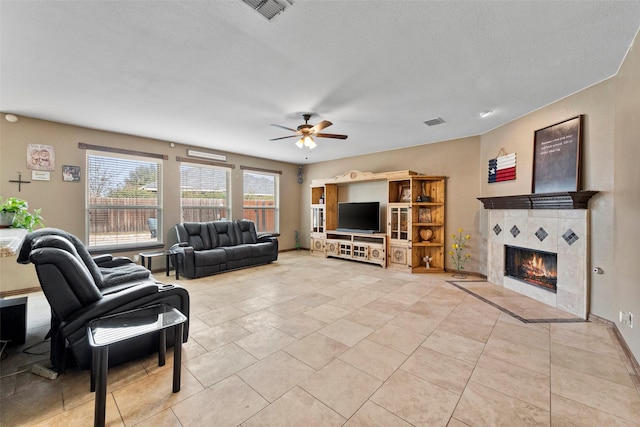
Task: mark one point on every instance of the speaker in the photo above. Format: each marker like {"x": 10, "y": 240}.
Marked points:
{"x": 13, "y": 320}
{"x": 300, "y": 171}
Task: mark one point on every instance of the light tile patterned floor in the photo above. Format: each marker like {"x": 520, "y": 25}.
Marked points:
{"x": 309, "y": 341}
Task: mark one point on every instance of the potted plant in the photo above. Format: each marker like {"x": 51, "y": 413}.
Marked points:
{"x": 15, "y": 213}
{"x": 457, "y": 253}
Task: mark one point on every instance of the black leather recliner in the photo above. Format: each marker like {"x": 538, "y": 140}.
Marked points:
{"x": 106, "y": 269}
{"x": 75, "y": 299}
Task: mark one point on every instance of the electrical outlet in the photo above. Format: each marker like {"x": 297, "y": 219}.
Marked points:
{"x": 626, "y": 318}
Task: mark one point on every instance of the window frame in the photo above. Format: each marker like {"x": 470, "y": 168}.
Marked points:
{"x": 205, "y": 165}
{"x": 276, "y": 195}
{"x": 125, "y": 155}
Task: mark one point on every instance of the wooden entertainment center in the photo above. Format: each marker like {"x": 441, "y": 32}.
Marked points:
{"x": 415, "y": 222}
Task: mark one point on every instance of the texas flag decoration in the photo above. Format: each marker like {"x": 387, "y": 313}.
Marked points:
{"x": 502, "y": 168}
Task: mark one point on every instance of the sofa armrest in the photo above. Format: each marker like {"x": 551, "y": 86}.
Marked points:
{"x": 185, "y": 259}
{"x": 107, "y": 304}
{"x": 109, "y": 261}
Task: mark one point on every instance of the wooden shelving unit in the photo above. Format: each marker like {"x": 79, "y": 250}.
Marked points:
{"x": 428, "y": 223}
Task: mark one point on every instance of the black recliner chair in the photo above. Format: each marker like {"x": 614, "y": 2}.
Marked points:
{"x": 75, "y": 299}
{"x": 105, "y": 269}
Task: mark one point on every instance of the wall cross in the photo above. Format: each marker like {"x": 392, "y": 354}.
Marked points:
{"x": 20, "y": 181}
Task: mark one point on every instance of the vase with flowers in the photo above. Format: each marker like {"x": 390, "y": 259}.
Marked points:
{"x": 457, "y": 253}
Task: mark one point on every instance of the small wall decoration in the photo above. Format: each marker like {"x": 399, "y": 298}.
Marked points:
{"x": 502, "y": 168}
{"x": 70, "y": 173}
{"x": 41, "y": 157}
{"x": 41, "y": 176}
{"x": 556, "y": 157}
{"x": 405, "y": 193}
{"x": 426, "y": 234}
{"x": 424, "y": 215}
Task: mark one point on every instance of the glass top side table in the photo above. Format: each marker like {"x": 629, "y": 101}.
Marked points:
{"x": 128, "y": 325}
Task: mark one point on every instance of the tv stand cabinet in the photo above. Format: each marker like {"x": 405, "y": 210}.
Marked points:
{"x": 369, "y": 247}
{"x": 415, "y": 221}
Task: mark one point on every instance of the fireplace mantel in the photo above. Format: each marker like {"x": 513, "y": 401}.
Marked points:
{"x": 562, "y": 200}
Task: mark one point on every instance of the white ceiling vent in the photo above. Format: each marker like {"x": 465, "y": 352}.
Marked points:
{"x": 433, "y": 122}
{"x": 269, "y": 8}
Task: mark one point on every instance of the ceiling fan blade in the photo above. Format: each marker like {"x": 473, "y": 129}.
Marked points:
{"x": 323, "y": 124}
{"x": 330, "y": 135}
{"x": 284, "y": 127}
{"x": 285, "y": 137}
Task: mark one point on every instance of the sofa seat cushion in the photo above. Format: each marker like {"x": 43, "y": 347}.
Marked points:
{"x": 240, "y": 252}
{"x": 261, "y": 249}
{"x": 124, "y": 273}
{"x": 210, "y": 257}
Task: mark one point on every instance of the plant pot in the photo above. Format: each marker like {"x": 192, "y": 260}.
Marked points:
{"x": 459, "y": 275}
{"x": 6, "y": 219}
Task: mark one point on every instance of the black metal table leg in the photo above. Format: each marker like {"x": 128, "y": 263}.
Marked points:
{"x": 162, "y": 347}
{"x": 177, "y": 357}
{"x": 102, "y": 362}
{"x": 168, "y": 263}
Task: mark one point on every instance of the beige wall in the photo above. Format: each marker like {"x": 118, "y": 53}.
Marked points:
{"x": 455, "y": 159}
{"x": 62, "y": 203}
{"x": 623, "y": 286}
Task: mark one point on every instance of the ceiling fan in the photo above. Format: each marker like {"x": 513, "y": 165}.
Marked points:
{"x": 307, "y": 132}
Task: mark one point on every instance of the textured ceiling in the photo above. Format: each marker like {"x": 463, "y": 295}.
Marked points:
{"x": 216, "y": 74}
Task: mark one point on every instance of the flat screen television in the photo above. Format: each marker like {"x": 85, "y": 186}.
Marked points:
{"x": 359, "y": 217}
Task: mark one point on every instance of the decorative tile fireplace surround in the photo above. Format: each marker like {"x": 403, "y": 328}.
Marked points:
{"x": 556, "y": 223}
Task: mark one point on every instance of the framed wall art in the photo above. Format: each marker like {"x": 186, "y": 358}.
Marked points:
{"x": 41, "y": 176}
{"x": 70, "y": 173}
{"x": 41, "y": 157}
{"x": 424, "y": 215}
{"x": 557, "y": 157}
{"x": 405, "y": 193}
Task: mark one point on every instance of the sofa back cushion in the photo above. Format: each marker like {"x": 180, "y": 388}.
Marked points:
{"x": 225, "y": 232}
{"x": 195, "y": 234}
{"x": 247, "y": 231}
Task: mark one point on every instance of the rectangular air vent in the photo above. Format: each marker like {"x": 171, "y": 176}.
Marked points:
{"x": 433, "y": 122}
{"x": 269, "y": 8}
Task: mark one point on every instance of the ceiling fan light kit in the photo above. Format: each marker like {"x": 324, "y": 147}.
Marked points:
{"x": 306, "y": 132}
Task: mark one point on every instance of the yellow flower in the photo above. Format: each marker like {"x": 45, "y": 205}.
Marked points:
{"x": 459, "y": 230}
{"x": 455, "y": 246}
{"x": 453, "y": 236}
{"x": 450, "y": 252}
{"x": 468, "y": 255}
{"x": 468, "y": 236}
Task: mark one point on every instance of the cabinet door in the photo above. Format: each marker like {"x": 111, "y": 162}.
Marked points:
{"x": 398, "y": 256}
{"x": 317, "y": 245}
{"x": 399, "y": 223}
{"x": 317, "y": 219}
{"x": 333, "y": 247}
{"x": 377, "y": 253}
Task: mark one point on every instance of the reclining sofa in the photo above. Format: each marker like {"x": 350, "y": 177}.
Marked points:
{"x": 206, "y": 248}
{"x": 79, "y": 289}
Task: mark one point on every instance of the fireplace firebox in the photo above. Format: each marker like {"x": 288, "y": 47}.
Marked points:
{"x": 537, "y": 268}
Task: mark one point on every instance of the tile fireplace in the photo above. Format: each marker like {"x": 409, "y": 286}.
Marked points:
{"x": 550, "y": 262}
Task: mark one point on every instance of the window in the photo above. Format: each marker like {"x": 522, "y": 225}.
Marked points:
{"x": 123, "y": 200}
{"x": 205, "y": 193}
{"x": 260, "y": 200}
